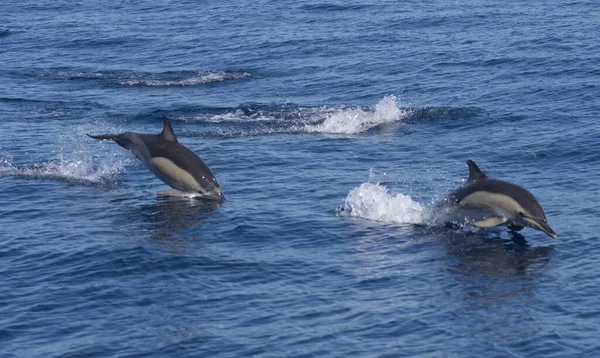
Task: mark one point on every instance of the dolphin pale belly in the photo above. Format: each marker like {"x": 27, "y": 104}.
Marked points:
{"x": 170, "y": 161}
{"x": 499, "y": 203}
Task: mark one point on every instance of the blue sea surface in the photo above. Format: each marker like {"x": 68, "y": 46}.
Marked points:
{"x": 333, "y": 128}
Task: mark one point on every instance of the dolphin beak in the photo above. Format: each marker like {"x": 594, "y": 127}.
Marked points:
{"x": 220, "y": 196}
{"x": 542, "y": 226}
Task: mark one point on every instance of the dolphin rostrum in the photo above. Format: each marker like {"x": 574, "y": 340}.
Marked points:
{"x": 170, "y": 161}
{"x": 500, "y": 203}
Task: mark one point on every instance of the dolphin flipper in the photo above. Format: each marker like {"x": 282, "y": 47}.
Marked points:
{"x": 491, "y": 221}
{"x": 514, "y": 227}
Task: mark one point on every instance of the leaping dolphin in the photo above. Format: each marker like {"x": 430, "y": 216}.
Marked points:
{"x": 500, "y": 203}
{"x": 170, "y": 161}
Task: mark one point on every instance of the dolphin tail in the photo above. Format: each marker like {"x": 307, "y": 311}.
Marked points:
{"x": 104, "y": 136}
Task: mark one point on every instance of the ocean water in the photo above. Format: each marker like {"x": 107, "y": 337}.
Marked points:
{"x": 333, "y": 127}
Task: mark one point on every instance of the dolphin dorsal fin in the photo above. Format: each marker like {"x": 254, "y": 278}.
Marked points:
{"x": 474, "y": 172}
{"x": 167, "y": 132}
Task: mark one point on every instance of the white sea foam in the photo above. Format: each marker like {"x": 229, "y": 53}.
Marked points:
{"x": 80, "y": 75}
{"x": 199, "y": 78}
{"x": 239, "y": 116}
{"x": 322, "y": 119}
{"x": 357, "y": 120}
{"x": 375, "y": 202}
{"x": 175, "y": 78}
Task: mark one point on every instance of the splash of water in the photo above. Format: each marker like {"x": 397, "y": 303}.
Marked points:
{"x": 73, "y": 170}
{"x": 357, "y": 120}
{"x": 375, "y": 202}
{"x": 323, "y": 119}
{"x": 74, "y": 162}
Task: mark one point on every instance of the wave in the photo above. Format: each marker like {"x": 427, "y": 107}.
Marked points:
{"x": 425, "y": 114}
{"x": 345, "y": 120}
{"x": 188, "y": 79}
{"x": 161, "y": 79}
{"x": 19, "y": 100}
{"x": 48, "y": 109}
{"x": 375, "y": 202}
{"x": 333, "y": 7}
{"x": 357, "y": 120}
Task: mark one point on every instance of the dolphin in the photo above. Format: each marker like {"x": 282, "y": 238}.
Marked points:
{"x": 499, "y": 202}
{"x": 170, "y": 161}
